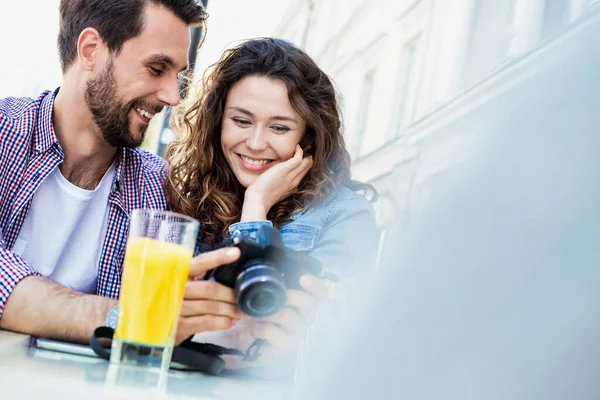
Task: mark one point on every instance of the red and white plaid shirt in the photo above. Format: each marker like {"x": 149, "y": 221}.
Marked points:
{"x": 29, "y": 152}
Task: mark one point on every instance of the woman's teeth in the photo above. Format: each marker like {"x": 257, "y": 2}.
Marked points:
{"x": 255, "y": 162}
{"x": 144, "y": 113}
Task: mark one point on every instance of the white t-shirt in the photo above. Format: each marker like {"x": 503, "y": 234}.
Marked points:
{"x": 63, "y": 234}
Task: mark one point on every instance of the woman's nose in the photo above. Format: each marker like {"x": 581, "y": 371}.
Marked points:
{"x": 257, "y": 139}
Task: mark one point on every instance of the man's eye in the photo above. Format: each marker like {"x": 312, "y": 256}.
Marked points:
{"x": 156, "y": 71}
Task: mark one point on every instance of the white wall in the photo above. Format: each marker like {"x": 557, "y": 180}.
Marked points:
{"x": 29, "y": 61}
{"x": 403, "y": 146}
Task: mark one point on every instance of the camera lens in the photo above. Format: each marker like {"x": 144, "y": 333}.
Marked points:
{"x": 260, "y": 290}
{"x": 264, "y": 299}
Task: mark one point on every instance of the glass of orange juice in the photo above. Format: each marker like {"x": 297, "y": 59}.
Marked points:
{"x": 159, "y": 250}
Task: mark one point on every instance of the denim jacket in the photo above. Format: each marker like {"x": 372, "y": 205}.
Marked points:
{"x": 340, "y": 233}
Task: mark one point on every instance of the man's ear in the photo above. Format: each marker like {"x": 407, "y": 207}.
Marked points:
{"x": 88, "y": 44}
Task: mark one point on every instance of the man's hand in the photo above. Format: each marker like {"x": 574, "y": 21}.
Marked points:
{"x": 285, "y": 330}
{"x": 208, "y": 305}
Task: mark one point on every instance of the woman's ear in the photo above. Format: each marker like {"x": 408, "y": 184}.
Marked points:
{"x": 307, "y": 144}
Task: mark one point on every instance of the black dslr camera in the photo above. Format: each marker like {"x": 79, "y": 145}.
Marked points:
{"x": 264, "y": 272}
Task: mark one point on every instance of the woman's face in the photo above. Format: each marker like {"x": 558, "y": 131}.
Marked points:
{"x": 260, "y": 128}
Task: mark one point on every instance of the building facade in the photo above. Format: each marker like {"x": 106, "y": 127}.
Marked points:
{"x": 419, "y": 78}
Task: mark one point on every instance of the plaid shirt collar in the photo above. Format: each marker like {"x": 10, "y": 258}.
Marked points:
{"x": 44, "y": 136}
{"x": 125, "y": 190}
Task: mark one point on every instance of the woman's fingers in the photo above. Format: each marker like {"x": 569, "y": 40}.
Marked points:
{"x": 189, "y": 326}
{"x": 287, "y": 318}
{"x": 209, "y": 307}
{"x": 274, "y": 335}
{"x": 314, "y": 286}
{"x": 212, "y": 259}
{"x": 295, "y": 162}
{"x": 208, "y": 290}
{"x": 303, "y": 304}
{"x": 298, "y": 154}
{"x": 302, "y": 170}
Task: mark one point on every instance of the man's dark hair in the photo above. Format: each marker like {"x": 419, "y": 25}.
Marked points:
{"x": 117, "y": 21}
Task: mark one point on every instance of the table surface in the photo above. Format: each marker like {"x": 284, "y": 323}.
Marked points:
{"x": 27, "y": 373}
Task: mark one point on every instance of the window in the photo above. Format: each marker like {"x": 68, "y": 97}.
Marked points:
{"x": 366, "y": 94}
{"x": 406, "y": 90}
{"x": 380, "y": 250}
{"x": 489, "y": 40}
{"x": 555, "y": 17}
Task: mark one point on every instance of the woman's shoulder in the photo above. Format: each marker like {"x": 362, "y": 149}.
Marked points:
{"x": 344, "y": 212}
{"x": 346, "y": 197}
{"x": 345, "y": 193}
{"x": 342, "y": 201}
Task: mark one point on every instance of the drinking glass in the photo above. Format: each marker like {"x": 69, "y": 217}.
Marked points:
{"x": 159, "y": 250}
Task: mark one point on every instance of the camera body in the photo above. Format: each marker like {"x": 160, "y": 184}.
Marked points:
{"x": 264, "y": 272}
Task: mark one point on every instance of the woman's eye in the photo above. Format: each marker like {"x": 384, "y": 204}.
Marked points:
{"x": 241, "y": 121}
{"x": 280, "y": 129}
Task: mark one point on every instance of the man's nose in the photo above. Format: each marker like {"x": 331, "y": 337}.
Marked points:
{"x": 169, "y": 92}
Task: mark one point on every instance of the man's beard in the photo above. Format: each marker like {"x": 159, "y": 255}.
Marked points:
{"x": 110, "y": 113}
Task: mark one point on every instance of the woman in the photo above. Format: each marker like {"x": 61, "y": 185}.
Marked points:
{"x": 262, "y": 146}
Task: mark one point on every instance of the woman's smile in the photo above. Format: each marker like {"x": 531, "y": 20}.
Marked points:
{"x": 255, "y": 164}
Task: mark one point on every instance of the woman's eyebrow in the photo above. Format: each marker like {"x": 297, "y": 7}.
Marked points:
{"x": 274, "y": 117}
{"x": 284, "y": 118}
{"x": 242, "y": 110}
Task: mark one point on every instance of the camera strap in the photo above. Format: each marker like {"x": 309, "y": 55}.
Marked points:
{"x": 203, "y": 357}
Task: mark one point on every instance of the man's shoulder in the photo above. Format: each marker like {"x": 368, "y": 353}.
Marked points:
{"x": 150, "y": 161}
{"x": 18, "y": 116}
{"x": 152, "y": 170}
{"x": 13, "y": 108}
{"x": 152, "y": 166}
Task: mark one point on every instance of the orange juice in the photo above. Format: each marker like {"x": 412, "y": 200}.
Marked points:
{"x": 154, "y": 277}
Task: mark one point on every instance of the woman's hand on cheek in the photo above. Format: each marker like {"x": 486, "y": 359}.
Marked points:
{"x": 274, "y": 185}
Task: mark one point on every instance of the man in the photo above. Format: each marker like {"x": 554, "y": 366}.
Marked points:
{"x": 70, "y": 172}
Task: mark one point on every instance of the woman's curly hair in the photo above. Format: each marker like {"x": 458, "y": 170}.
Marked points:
{"x": 200, "y": 182}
